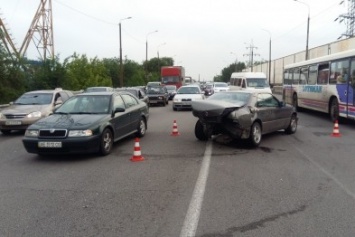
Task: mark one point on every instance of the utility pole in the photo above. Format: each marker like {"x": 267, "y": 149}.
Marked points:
{"x": 251, "y": 54}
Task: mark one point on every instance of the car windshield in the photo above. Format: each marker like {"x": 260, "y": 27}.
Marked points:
{"x": 171, "y": 88}
{"x": 95, "y": 89}
{"x": 188, "y": 90}
{"x": 86, "y": 104}
{"x": 221, "y": 85}
{"x": 232, "y": 97}
{"x": 257, "y": 82}
{"x": 35, "y": 99}
{"x": 155, "y": 90}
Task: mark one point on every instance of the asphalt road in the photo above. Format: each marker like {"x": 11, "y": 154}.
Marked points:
{"x": 292, "y": 185}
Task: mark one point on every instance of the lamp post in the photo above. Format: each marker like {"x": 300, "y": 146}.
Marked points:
{"x": 146, "y": 44}
{"x": 158, "y": 54}
{"x": 236, "y": 61}
{"x": 308, "y": 18}
{"x": 269, "y": 70}
{"x": 121, "y": 65}
{"x": 146, "y": 53}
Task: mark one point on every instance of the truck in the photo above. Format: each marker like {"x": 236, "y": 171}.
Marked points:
{"x": 173, "y": 75}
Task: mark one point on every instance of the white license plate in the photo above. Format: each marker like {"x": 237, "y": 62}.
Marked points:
{"x": 13, "y": 122}
{"x": 50, "y": 144}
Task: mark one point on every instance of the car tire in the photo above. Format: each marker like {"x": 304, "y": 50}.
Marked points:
{"x": 255, "y": 134}
{"x": 200, "y": 132}
{"x": 292, "y": 127}
{"x": 142, "y": 128}
{"x": 106, "y": 142}
{"x": 334, "y": 110}
{"x": 5, "y": 131}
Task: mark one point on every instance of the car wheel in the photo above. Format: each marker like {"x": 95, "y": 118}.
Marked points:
{"x": 292, "y": 127}
{"x": 200, "y": 132}
{"x": 167, "y": 101}
{"x": 334, "y": 110}
{"x": 142, "y": 128}
{"x": 106, "y": 142}
{"x": 5, "y": 132}
{"x": 255, "y": 134}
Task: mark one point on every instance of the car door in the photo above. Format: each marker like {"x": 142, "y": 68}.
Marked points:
{"x": 267, "y": 110}
{"x": 132, "y": 108}
{"x": 121, "y": 120}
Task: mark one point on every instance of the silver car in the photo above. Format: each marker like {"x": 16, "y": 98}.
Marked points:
{"x": 30, "y": 107}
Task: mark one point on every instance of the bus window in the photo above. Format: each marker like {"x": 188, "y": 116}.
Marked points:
{"x": 304, "y": 76}
{"x": 323, "y": 74}
{"x": 352, "y": 68}
{"x": 296, "y": 76}
{"x": 287, "y": 80}
{"x": 312, "y": 79}
{"x": 339, "y": 71}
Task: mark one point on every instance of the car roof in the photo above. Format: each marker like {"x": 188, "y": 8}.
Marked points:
{"x": 44, "y": 91}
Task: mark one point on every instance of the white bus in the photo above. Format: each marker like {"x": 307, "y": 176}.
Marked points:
{"x": 324, "y": 84}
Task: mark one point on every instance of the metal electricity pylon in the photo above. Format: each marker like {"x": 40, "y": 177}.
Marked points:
{"x": 251, "y": 55}
{"x": 349, "y": 18}
{"x": 41, "y": 32}
{"x": 7, "y": 40}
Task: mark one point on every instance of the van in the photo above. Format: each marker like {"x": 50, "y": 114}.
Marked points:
{"x": 249, "y": 81}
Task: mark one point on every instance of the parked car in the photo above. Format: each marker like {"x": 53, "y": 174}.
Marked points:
{"x": 243, "y": 115}
{"x": 171, "y": 91}
{"x": 137, "y": 91}
{"x": 30, "y": 107}
{"x": 88, "y": 123}
{"x": 220, "y": 86}
{"x": 98, "y": 88}
{"x": 185, "y": 95}
{"x": 158, "y": 95}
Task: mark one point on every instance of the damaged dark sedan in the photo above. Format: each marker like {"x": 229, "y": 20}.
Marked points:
{"x": 243, "y": 115}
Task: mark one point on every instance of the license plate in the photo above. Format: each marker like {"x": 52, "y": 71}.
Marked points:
{"x": 13, "y": 122}
{"x": 50, "y": 144}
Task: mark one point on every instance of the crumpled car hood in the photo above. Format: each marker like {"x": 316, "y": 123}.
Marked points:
{"x": 214, "y": 107}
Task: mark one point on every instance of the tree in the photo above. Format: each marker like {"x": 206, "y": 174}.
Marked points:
{"x": 227, "y": 71}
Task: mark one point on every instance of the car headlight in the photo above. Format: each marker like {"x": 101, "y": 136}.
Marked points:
{"x": 160, "y": 97}
{"x": 31, "y": 133}
{"x": 80, "y": 133}
{"x": 36, "y": 114}
{"x": 176, "y": 100}
{"x": 2, "y": 116}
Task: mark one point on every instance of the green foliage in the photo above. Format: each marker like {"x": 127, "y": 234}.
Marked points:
{"x": 227, "y": 71}
{"x": 83, "y": 72}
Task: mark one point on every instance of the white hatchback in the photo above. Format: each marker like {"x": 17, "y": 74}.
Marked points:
{"x": 185, "y": 95}
{"x": 220, "y": 86}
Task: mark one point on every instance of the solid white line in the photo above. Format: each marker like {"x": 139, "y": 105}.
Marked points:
{"x": 332, "y": 177}
{"x": 193, "y": 213}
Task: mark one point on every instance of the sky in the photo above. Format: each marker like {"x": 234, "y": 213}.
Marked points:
{"x": 203, "y": 36}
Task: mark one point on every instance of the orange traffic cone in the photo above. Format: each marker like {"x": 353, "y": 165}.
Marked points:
{"x": 336, "y": 132}
{"x": 137, "y": 156}
{"x": 175, "y": 131}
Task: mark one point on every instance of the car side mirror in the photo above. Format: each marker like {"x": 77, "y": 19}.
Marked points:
{"x": 119, "y": 110}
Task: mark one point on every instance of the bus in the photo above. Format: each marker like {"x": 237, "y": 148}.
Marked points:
{"x": 324, "y": 84}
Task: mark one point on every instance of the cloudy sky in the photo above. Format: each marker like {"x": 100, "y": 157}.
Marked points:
{"x": 204, "y": 36}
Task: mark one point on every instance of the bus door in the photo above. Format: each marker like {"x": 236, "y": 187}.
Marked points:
{"x": 351, "y": 89}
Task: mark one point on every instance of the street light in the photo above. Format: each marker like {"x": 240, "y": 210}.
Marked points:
{"x": 307, "y": 26}
{"x": 146, "y": 44}
{"x": 269, "y": 55}
{"x": 158, "y": 54}
{"x": 121, "y": 65}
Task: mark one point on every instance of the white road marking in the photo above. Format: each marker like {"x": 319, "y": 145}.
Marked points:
{"x": 332, "y": 177}
{"x": 193, "y": 213}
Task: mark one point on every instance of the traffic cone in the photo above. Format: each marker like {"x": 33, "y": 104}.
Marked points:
{"x": 175, "y": 131}
{"x": 137, "y": 156}
{"x": 336, "y": 132}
